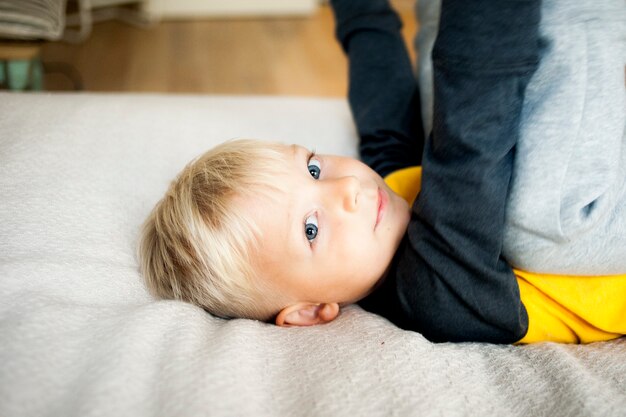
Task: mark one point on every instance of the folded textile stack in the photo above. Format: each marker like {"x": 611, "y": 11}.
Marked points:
{"x": 32, "y": 19}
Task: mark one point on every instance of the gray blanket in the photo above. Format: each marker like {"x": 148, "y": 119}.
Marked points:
{"x": 80, "y": 336}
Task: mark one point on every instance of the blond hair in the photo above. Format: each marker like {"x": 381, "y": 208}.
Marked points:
{"x": 197, "y": 243}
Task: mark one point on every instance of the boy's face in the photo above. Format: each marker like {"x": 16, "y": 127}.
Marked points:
{"x": 332, "y": 235}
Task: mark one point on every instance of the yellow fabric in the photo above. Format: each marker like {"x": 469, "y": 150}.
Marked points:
{"x": 406, "y": 182}
{"x": 566, "y": 309}
{"x": 573, "y": 309}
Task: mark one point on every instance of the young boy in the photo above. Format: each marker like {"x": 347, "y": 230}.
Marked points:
{"x": 267, "y": 231}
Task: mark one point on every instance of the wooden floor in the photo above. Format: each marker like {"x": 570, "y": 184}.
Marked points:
{"x": 293, "y": 56}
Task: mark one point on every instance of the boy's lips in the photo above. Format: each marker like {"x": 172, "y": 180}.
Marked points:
{"x": 382, "y": 204}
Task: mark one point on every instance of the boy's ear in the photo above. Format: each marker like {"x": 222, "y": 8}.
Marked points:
{"x": 307, "y": 314}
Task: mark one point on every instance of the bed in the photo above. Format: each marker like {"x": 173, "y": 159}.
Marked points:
{"x": 80, "y": 336}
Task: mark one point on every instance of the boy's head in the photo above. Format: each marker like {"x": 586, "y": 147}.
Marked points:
{"x": 264, "y": 230}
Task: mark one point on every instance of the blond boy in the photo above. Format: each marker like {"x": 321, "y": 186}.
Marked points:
{"x": 275, "y": 232}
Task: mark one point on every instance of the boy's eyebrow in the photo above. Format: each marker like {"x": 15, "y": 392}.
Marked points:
{"x": 290, "y": 232}
{"x": 292, "y": 229}
{"x": 298, "y": 153}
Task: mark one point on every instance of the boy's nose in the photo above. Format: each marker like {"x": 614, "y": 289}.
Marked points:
{"x": 346, "y": 191}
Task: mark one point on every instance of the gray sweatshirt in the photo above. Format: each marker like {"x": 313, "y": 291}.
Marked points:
{"x": 566, "y": 211}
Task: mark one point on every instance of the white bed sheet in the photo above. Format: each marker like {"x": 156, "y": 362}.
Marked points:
{"x": 80, "y": 336}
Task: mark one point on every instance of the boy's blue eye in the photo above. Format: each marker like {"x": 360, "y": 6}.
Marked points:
{"x": 314, "y": 168}
{"x": 310, "y": 227}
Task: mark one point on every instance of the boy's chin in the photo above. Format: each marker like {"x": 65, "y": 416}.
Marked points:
{"x": 376, "y": 285}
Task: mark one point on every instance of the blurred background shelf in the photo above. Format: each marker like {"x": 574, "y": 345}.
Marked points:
{"x": 237, "y": 53}
{"x": 198, "y": 9}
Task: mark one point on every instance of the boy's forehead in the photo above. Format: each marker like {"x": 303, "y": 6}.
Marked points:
{"x": 287, "y": 173}
{"x": 274, "y": 209}
{"x": 271, "y": 204}
{"x": 274, "y": 217}
{"x": 295, "y": 151}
